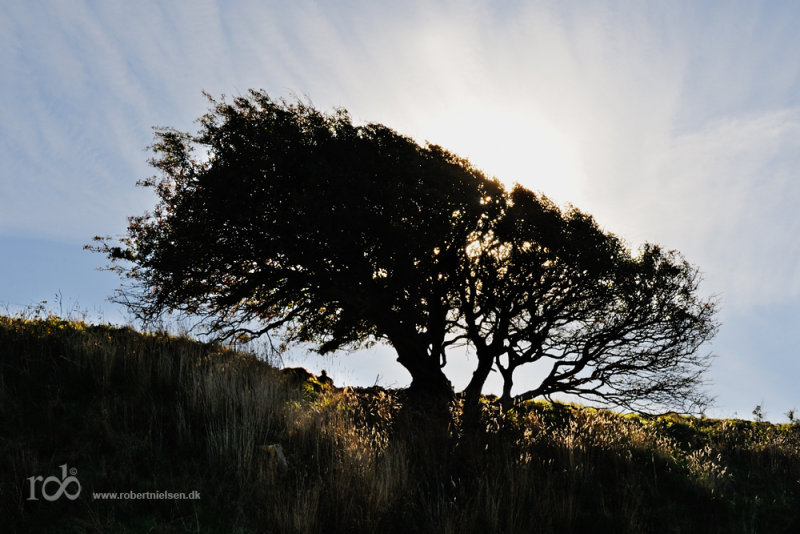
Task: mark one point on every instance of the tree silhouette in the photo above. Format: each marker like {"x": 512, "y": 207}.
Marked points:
{"x": 277, "y": 218}
{"x": 304, "y": 224}
{"x": 549, "y": 288}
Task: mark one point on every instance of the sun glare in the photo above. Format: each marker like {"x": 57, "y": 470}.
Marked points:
{"x": 520, "y": 148}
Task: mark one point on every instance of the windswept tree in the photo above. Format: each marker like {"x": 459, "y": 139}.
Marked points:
{"x": 276, "y": 218}
{"x": 548, "y": 288}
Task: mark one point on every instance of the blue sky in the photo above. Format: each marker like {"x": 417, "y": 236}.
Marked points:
{"x": 671, "y": 122}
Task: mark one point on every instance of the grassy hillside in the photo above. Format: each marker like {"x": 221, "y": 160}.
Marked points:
{"x": 141, "y": 413}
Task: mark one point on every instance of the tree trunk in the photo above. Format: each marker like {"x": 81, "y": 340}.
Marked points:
{"x": 430, "y": 391}
{"x": 429, "y": 385}
{"x": 422, "y": 427}
{"x": 470, "y": 449}
{"x": 427, "y": 400}
{"x": 506, "y": 400}
{"x": 472, "y": 395}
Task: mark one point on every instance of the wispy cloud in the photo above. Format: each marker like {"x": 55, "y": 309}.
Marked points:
{"x": 676, "y": 123}
{"x": 730, "y": 191}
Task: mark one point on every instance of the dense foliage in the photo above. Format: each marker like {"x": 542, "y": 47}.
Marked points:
{"x": 277, "y": 218}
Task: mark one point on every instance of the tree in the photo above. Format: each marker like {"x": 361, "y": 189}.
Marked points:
{"x": 276, "y": 218}
{"x": 549, "y": 288}
{"x": 304, "y": 224}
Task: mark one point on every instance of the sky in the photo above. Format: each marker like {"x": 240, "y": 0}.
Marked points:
{"x": 673, "y": 122}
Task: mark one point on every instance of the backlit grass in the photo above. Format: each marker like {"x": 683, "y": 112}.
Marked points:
{"x": 146, "y": 412}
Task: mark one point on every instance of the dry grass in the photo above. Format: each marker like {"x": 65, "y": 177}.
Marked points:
{"x": 152, "y": 412}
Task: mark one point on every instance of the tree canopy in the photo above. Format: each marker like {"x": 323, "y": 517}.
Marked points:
{"x": 277, "y": 218}
{"x": 550, "y": 288}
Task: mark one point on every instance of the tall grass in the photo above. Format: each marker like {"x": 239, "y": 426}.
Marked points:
{"x": 149, "y": 412}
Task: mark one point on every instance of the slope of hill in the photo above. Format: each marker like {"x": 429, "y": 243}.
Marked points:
{"x": 103, "y": 428}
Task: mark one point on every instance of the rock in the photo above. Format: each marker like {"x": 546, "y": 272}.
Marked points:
{"x": 324, "y": 379}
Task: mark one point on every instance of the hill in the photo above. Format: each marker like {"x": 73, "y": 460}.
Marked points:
{"x": 101, "y": 428}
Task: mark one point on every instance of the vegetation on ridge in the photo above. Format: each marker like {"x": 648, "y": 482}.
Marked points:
{"x": 300, "y": 224}
{"x": 150, "y": 412}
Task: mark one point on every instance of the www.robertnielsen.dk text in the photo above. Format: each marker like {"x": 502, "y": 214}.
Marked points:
{"x": 145, "y": 495}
